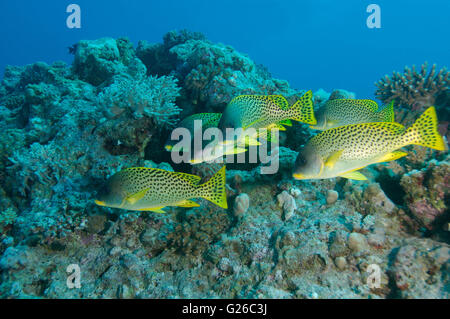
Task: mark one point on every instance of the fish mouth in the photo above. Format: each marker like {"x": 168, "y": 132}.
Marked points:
{"x": 100, "y": 203}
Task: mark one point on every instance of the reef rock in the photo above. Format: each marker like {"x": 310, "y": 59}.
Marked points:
{"x": 427, "y": 193}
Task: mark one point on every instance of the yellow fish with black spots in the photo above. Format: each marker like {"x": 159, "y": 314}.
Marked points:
{"x": 340, "y": 112}
{"x": 266, "y": 111}
{"x": 342, "y": 151}
{"x": 151, "y": 189}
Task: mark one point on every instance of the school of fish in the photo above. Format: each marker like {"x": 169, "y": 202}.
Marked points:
{"x": 354, "y": 133}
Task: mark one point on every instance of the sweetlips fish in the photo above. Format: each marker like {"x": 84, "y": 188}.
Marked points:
{"x": 343, "y": 150}
{"x": 215, "y": 149}
{"x": 265, "y": 111}
{"x": 152, "y": 189}
{"x": 340, "y": 112}
{"x": 208, "y": 120}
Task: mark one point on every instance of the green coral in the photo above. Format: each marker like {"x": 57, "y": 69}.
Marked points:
{"x": 153, "y": 97}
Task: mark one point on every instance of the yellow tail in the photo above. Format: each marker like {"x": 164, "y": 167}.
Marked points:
{"x": 424, "y": 131}
{"x": 303, "y": 109}
{"x": 214, "y": 189}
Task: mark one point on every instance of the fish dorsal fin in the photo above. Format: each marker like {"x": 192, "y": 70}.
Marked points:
{"x": 134, "y": 198}
{"x": 354, "y": 175}
{"x": 368, "y": 104}
{"x": 208, "y": 119}
{"x": 194, "y": 179}
{"x": 392, "y": 127}
{"x": 187, "y": 203}
{"x": 279, "y": 100}
{"x": 333, "y": 158}
{"x": 213, "y": 120}
{"x": 188, "y": 177}
{"x": 241, "y": 97}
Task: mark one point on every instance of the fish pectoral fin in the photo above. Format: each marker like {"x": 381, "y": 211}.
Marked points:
{"x": 287, "y": 122}
{"x": 354, "y": 175}
{"x": 236, "y": 150}
{"x": 134, "y": 198}
{"x": 392, "y": 156}
{"x": 154, "y": 209}
{"x": 187, "y": 203}
{"x": 333, "y": 158}
{"x": 278, "y": 126}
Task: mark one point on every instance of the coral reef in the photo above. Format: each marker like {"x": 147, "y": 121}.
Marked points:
{"x": 426, "y": 193}
{"x": 414, "y": 88}
{"x": 210, "y": 74}
{"x": 65, "y": 129}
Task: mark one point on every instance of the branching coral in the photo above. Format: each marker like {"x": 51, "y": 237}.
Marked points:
{"x": 153, "y": 97}
{"x": 414, "y": 88}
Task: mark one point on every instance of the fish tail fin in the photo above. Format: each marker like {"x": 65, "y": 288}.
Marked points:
{"x": 424, "y": 131}
{"x": 387, "y": 113}
{"x": 303, "y": 109}
{"x": 214, "y": 189}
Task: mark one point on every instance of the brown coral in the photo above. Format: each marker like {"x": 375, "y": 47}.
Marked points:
{"x": 413, "y": 88}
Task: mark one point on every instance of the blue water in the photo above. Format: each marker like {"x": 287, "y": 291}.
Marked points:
{"x": 313, "y": 44}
